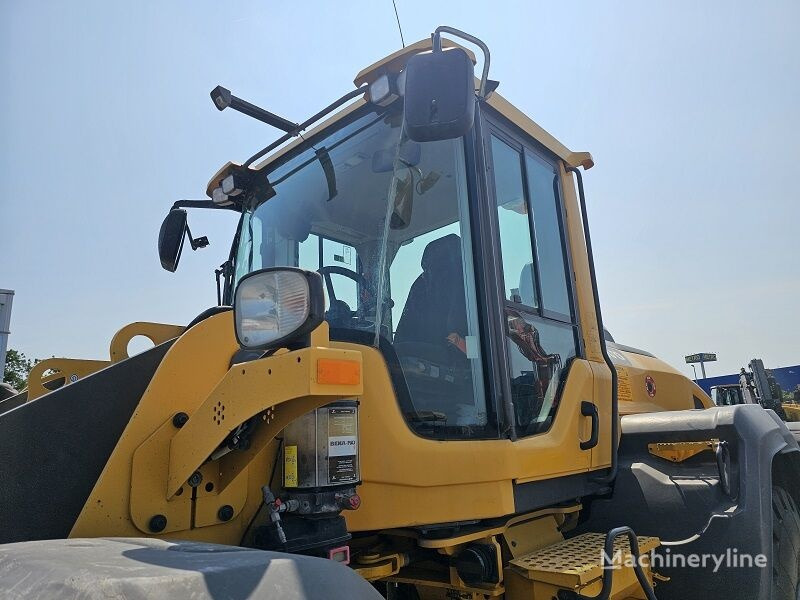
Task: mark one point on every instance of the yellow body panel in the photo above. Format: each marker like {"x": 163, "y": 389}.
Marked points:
{"x": 246, "y": 390}
{"x": 70, "y": 369}
{"x": 148, "y": 470}
{"x": 669, "y": 390}
{"x": 190, "y": 370}
{"x": 792, "y": 411}
{"x": 587, "y": 317}
{"x": 680, "y": 451}
{"x": 73, "y": 369}
{"x": 155, "y": 332}
{"x": 409, "y": 480}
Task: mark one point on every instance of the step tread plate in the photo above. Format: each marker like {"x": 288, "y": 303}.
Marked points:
{"x": 577, "y": 561}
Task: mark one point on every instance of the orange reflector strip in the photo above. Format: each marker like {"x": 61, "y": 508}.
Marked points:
{"x": 335, "y": 371}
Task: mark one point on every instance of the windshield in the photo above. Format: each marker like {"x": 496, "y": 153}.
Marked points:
{"x": 386, "y": 222}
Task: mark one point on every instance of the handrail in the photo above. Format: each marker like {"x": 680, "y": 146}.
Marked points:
{"x": 612, "y": 473}
{"x": 437, "y": 47}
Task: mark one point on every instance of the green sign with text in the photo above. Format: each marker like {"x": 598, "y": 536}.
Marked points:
{"x": 702, "y": 357}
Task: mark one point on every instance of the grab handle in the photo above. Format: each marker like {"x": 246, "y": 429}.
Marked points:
{"x": 588, "y": 409}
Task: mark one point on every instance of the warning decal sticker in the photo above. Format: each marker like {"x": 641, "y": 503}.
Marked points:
{"x": 624, "y": 391}
{"x": 342, "y": 445}
{"x": 290, "y": 466}
{"x": 650, "y": 386}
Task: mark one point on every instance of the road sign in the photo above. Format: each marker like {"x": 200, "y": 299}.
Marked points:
{"x": 701, "y": 358}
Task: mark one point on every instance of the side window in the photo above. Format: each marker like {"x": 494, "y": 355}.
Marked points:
{"x": 308, "y": 253}
{"x": 539, "y": 352}
{"x": 512, "y": 218}
{"x": 543, "y": 194}
{"x": 434, "y": 317}
{"x": 540, "y": 329}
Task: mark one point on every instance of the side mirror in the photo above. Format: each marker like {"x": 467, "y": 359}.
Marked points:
{"x": 439, "y": 95}
{"x": 170, "y": 238}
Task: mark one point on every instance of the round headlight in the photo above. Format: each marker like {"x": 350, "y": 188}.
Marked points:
{"x": 276, "y": 304}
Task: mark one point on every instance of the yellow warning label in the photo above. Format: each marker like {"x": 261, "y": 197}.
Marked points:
{"x": 290, "y": 466}
{"x": 624, "y": 391}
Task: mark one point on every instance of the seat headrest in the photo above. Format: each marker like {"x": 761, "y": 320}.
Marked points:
{"x": 442, "y": 253}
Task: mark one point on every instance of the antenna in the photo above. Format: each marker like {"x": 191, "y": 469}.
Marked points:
{"x": 402, "y": 41}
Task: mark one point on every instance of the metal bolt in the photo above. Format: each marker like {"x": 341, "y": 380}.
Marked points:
{"x": 195, "y": 479}
{"x": 157, "y": 523}
{"x": 225, "y": 513}
{"x": 180, "y": 419}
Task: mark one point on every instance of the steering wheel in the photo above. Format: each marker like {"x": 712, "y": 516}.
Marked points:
{"x": 338, "y": 309}
{"x": 339, "y": 313}
{"x": 326, "y": 273}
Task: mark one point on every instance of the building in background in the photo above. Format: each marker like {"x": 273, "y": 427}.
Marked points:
{"x": 787, "y": 377}
{"x": 6, "y": 298}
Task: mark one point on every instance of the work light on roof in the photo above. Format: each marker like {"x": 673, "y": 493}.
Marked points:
{"x": 383, "y": 91}
{"x": 220, "y": 198}
{"x": 233, "y": 184}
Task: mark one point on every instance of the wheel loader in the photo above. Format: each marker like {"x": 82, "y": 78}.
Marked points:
{"x": 406, "y": 390}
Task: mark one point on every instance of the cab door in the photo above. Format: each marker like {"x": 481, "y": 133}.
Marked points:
{"x": 548, "y": 379}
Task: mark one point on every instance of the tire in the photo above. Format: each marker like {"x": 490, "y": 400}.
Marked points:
{"x": 785, "y": 546}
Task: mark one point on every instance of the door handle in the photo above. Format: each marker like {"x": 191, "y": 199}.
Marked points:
{"x": 588, "y": 409}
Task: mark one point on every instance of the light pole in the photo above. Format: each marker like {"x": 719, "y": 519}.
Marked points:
{"x": 702, "y": 358}
{"x": 695, "y": 373}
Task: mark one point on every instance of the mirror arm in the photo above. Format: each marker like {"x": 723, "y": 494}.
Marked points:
{"x": 196, "y": 243}
{"x": 201, "y": 204}
{"x": 436, "y": 39}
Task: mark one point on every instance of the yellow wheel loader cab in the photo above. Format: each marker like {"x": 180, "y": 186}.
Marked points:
{"x": 406, "y": 392}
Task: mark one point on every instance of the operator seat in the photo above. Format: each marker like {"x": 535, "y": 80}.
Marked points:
{"x": 435, "y": 307}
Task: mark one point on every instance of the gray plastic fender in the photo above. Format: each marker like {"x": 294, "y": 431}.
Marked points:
{"x": 685, "y": 505}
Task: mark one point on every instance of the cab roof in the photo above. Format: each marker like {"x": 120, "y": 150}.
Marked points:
{"x": 393, "y": 64}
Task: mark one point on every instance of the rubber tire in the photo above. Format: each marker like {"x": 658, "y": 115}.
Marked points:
{"x": 785, "y": 546}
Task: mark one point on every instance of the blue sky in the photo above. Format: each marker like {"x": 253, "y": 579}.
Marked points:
{"x": 690, "y": 110}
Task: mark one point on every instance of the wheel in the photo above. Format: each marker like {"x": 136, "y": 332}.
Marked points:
{"x": 785, "y": 546}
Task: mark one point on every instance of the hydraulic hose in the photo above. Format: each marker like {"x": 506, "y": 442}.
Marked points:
{"x": 608, "y": 568}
